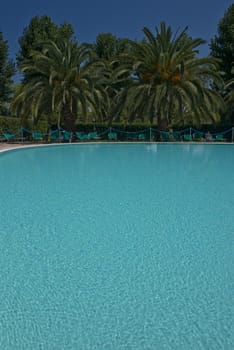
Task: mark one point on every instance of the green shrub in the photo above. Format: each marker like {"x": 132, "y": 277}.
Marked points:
{"x": 13, "y": 124}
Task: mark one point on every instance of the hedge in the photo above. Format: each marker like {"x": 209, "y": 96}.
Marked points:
{"x": 13, "y": 124}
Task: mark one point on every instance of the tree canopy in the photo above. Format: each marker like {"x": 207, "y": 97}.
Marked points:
{"x": 7, "y": 70}
{"x": 113, "y": 56}
{"x": 222, "y": 45}
{"x": 58, "y": 83}
{"x": 160, "y": 79}
{"x": 171, "y": 83}
{"x": 40, "y": 30}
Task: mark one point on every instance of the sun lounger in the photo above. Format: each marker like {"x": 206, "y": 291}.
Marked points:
{"x": 219, "y": 138}
{"x": 112, "y": 136}
{"x": 141, "y": 137}
{"x": 66, "y": 136}
{"x": 93, "y": 136}
{"x": 164, "y": 135}
{"x": 198, "y": 136}
{"x": 81, "y": 136}
{"x": 37, "y": 136}
{"x": 187, "y": 137}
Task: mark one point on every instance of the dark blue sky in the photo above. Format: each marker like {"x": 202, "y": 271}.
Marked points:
{"x": 123, "y": 18}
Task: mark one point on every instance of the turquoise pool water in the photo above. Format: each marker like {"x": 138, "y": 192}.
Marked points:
{"x": 113, "y": 247}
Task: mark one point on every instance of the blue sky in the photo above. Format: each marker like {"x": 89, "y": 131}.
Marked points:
{"x": 123, "y": 18}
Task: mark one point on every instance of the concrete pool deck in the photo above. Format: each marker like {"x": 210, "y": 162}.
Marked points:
{"x": 7, "y": 146}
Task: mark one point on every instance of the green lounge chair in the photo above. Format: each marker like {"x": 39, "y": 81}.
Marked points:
{"x": 220, "y": 138}
{"x": 37, "y": 136}
{"x": 66, "y": 136}
{"x": 93, "y": 136}
{"x": 198, "y": 136}
{"x": 187, "y": 137}
{"x": 81, "y": 136}
{"x": 175, "y": 136}
{"x": 17, "y": 137}
{"x": 164, "y": 135}
{"x": 132, "y": 136}
{"x": 54, "y": 136}
{"x": 112, "y": 136}
{"x": 141, "y": 137}
{"x": 8, "y": 136}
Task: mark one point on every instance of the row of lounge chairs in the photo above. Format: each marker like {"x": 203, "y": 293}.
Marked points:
{"x": 56, "y": 136}
{"x": 196, "y": 136}
{"x": 59, "y": 136}
{"x": 65, "y": 136}
{"x": 7, "y": 136}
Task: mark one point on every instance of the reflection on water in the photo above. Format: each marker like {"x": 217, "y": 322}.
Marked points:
{"x": 197, "y": 150}
{"x": 201, "y": 150}
{"x": 152, "y": 148}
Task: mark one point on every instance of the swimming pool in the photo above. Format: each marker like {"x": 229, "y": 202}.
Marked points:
{"x": 114, "y": 247}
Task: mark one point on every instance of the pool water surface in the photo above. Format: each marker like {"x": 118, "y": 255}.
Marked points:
{"x": 116, "y": 246}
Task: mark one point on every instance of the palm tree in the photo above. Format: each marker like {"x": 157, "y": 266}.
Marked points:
{"x": 58, "y": 82}
{"x": 113, "y": 74}
{"x": 229, "y": 98}
{"x": 170, "y": 82}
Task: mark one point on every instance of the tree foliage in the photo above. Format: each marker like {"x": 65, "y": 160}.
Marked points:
{"x": 112, "y": 53}
{"x": 159, "y": 79}
{"x": 40, "y": 30}
{"x": 58, "y": 83}
{"x": 7, "y": 70}
{"x": 222, "y": 45}
{"x": 229, "y": 99}
{"x": 107, "y": 46}
{"x": 171, "y": 83}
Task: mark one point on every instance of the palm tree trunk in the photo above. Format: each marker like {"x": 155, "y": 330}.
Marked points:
{"x": 69, "y": 119}
{"x": 162, "y": 123}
